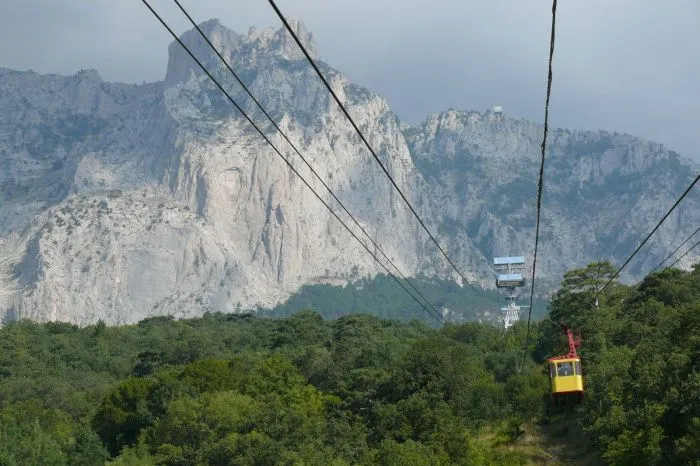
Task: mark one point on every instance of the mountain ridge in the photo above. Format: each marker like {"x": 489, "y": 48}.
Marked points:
{"x": 140, "y": 200}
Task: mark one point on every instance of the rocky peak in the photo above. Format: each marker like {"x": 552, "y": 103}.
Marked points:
{"x": 131, "y": 201}
{"x": 268, "y": 43}
{"x": 284, "y": 45}
{"x": 180, "y": 64}
{"x": 280, "y": 43}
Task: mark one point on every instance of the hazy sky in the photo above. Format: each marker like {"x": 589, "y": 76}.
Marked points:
{"x": 621, "y": 65}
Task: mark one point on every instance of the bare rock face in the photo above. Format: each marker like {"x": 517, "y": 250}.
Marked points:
{"x": 603, "y": 192}
{"x": 119, "y": 202}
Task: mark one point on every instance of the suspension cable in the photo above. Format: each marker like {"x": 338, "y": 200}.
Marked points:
{"x": 438, "y": 317}
{"x": 362, "y": 137}
{"x": 667, "y": 258}
{"x": 678, "y": 201}
{"x": 540, "y": 182}
{"x": 294, "y": 147}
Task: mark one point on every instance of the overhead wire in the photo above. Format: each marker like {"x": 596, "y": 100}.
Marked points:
{"x": 364, "y": 139}
{"x": 296, "y": 150}
{"x": 635, "y": 289}
{"x": 678, "y": 201}
{"x": 540, "y": 181}
{"x": 667, "y": 257}
{"x": 681, "y": 257}
{"x": 438, "y": 317}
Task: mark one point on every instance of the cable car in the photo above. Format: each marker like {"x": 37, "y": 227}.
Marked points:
{"x": 565, "y": 371}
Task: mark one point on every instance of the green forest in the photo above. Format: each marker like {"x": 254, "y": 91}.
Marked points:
{"x": 361, "y": 389}
{"x": 381, "y": 296}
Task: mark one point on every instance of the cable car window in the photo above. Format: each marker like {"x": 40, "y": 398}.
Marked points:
{"x": 577, "y": 366}
{"x": 564, "y": 369}
{"x": 552, "y": 370}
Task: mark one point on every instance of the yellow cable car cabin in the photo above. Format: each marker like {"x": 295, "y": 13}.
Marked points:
{"x": 565, "y": 371}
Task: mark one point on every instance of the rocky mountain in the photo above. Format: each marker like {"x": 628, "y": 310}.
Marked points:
{"x": 119, "y": 202}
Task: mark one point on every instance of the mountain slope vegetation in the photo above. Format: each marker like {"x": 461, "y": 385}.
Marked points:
{"x": 241, "y": 389}
{"x": 382, "y": 297}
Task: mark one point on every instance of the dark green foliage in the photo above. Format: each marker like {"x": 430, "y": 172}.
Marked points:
{"x": 122, "y": 415}
{"x": 233, "y": 389}
{"x": 641, "y": 360}
{"x": 383, "y": 297}
{"x": 227, "y": 389}
{"x": 32, "y": 434}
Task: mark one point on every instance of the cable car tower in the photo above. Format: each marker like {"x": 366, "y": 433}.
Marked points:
{"x": 510, "y": 276}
